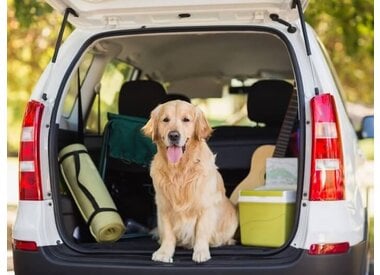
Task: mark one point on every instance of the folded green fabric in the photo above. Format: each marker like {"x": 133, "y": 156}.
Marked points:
{"x": 90, "y": 194}
{"x": 125, "y": 140}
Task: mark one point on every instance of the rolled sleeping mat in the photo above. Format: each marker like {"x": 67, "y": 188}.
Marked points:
{"x": 90, "y": 194}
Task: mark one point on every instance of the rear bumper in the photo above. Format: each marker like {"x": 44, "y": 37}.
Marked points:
{"x": 48, "y": 260}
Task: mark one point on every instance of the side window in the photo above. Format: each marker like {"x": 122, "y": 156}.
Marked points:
{"x": 73, "y": 88}
{"x": 115, "y": 74}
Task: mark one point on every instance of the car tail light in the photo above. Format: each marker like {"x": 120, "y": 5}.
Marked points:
{"x": 25, "y": 245}
{"x": 29, "y": 156}
{"x": 327, "y": 171}
{"x": 324, "y": 249}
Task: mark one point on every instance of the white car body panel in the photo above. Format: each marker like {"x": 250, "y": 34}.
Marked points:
{"x": 333, "y": 222}
{"x": 35, "y": 222}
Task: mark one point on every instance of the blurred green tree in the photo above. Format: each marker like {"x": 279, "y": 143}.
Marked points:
{"x": 30, "y": 11}
{"x": 344, "y": 26}
{"x": 346, "y": 29}
{"x": 32, "y": 29}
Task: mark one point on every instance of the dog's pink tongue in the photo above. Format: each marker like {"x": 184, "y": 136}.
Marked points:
{"x": 174, "y": 154}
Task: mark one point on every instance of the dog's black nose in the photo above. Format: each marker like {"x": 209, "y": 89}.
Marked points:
{"x": 174, "y": 136}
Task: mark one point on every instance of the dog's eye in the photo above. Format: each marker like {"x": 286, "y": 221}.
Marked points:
{"x": 166, "y": 119}
{"x": 185, "y": 119}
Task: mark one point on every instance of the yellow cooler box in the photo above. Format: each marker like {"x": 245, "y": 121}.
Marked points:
{"x": 266, "y": 216}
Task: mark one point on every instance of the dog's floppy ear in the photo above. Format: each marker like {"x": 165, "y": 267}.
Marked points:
{"x": 150, "y": 128}
{"x": 202, "y": 127}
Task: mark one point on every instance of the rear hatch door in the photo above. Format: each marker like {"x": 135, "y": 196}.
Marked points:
{"x": 150, "y": 13}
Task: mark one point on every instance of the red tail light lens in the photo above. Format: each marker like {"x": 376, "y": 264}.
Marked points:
{"x": 29, "y": 157}
{"x": 324, "y": 249}
{"x": 25, "y": 245}
{"x": 327, "y": 173}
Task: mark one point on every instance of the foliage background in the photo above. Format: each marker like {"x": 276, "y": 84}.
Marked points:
{"x": 344, "y": 26}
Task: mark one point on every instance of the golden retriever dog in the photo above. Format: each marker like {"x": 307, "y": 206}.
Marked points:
{"x": 192, "y": 208}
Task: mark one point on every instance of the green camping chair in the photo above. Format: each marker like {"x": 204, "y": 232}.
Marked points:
{"x": 123, "y": 140}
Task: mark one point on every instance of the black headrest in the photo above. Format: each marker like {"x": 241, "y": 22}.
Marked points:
{"x": 170, "y": 97}
{"x": 268, "y": 101}
{"x": 140, "y": 97}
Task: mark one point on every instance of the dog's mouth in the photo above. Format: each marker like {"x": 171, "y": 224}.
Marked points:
{"x": 174, "y": 153}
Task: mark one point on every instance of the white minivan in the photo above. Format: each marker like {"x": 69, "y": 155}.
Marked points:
{"x": 244, "y": 63}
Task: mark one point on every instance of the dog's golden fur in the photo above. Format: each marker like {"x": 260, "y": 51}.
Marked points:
{"x": 192, "y": 208}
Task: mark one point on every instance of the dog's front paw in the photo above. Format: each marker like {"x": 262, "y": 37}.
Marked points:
{"x": 162, "y": 256}
{"x": 201, "y": 255}
{"x": 231, "y": 242}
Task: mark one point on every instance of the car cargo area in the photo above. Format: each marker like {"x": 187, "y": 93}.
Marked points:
{"x": 242, "y": 79}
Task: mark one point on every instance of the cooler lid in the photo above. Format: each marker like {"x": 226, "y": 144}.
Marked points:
{"x": 268, "y": 196}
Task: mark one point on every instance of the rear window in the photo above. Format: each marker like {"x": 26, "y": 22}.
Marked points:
{"x": 115, "y": 74}
{"x": 73, "y": 85}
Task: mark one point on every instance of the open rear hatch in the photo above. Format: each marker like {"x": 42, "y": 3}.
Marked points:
{"x": 131, "y": 14}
